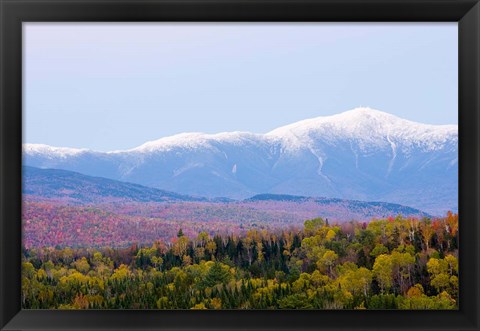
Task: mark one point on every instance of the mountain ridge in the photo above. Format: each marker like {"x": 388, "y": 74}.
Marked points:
{"x": 63, "y": 187}
{"x": 351, "y": 117}
{"x": 360, "y": 154}
{"x": 76, "y": 187}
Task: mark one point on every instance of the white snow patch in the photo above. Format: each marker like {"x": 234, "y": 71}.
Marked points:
{"x": 189, "y": 166}
{"x": 320, "y": 164}
{"x": 394, "y": 155}
{"x": 46, "y": 150}
{"x": 453, "y": 162}
{"x": 355, "y": 154}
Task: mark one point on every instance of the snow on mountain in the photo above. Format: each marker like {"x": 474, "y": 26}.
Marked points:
{"x": 371, "y": 127}
{"x": 193, "y": 140}
{"x": 360, "y": 154}
{"x": 46, "y": 150}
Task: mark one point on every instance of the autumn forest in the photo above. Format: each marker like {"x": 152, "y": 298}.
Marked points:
{"x": 391, "y": 263}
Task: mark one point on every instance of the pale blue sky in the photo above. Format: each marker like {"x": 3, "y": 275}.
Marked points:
{"x": 109, "y": 86}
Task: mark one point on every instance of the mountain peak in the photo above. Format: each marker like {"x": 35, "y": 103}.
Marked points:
{"x": 368, "y": 112}
{"x": 344, "y": 119}
{"x": 371, "y": 118}
{"x": 369, "y": 126}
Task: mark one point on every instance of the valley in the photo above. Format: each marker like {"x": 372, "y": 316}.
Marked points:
{"x": 64, "y": 208}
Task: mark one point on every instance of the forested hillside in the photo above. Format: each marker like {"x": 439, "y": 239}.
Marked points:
{"x": 393, "y": 263}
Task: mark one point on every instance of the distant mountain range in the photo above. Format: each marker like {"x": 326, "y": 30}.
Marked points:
{"x": 362, "y": 154}
{"x": 72, "y": 188}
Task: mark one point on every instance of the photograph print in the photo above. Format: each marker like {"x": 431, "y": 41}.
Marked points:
{"x": 240, "y": 166}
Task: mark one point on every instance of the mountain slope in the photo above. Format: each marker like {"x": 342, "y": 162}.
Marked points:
{"x": 340, "y": 209}
{"x": 74, "y": 187}
{"x": 361, "y": 154}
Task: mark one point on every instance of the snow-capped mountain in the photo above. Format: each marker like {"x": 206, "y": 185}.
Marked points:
{"x": 360, "y": 154}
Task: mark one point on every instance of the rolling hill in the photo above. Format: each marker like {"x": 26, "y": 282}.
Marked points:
{"x": 73, "y": 187}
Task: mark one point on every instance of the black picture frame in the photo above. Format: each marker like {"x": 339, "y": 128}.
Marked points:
{"x": 15, "y": 12}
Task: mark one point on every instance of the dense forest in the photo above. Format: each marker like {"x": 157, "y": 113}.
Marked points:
{"x": 393, "y": 263}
